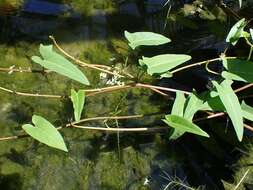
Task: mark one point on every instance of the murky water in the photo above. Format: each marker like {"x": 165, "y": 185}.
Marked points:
{"x": 95, "y": 160}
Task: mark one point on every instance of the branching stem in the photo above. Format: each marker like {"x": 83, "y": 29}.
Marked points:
{"x": 199, "y": 63}
{"x": 243, "y": 88}
{"x": 145, "y": 129}
{"x": 102, "y": 68}
{"x": 75, "y": 125}
{"x": 241, "y": 180}
{"x": 29, "y": 94}
{"x": 137, "y": 129}
{"x": 93, "y": 92}
{"x": 13, "y": 68}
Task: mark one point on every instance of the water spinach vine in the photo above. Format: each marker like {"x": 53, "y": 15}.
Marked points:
{"x": 220, "y": 100}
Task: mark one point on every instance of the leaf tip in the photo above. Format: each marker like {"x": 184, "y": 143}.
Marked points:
{"x": 205, "y": 134}
{"x": 129, "y": 39}
{"x": 36, "y": 59}
{"x": 65, "y": 149}
{"x": 126, "y": 33}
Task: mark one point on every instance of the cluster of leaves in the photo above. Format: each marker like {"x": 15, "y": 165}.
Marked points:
{"x": 220, "y": 98}
{"x": 43, "y": 130}
{"x": 160, "y": 64}
{"x": 57, "y": 63}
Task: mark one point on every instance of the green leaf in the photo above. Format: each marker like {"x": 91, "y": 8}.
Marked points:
{"x": 236, "y": 32}
{"x": 178, "y": 106}
{"x": 178, "y": 109}
{"x": 166, "y": 75}
{"x": 240, "y": 3}
{"x": 245, "y": 34}
{"x": 163, "y": 63}
{"x": 145, "y": 39}
{"x": 77, "y": 99}
{"x": 183, "y": 124}
{"x": 247, "y": 111}
{"x": 213, "y": 94}
{"x": 224, "y": 60}
{"x": 251, "y": 33}
{"x": 194, "y": 103}
{"x": 213, "y": 104}
{"x": 232, "y": 76}
{"x": 45, "y": 132}
{"x": 239, "y": 70}
{"x": 57, "y": 63}
{"x": 232, "y": 105}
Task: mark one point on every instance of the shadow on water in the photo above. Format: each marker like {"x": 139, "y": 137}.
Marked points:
{"x": 144, "y": 161}
{"x": 36, "y": 20}
{"x": 10, "y": 182}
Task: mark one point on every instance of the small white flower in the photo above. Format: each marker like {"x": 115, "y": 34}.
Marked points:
{"x": 111, "y": 80}
{"x": 112, "y": 59}
{"x": 120, "y": 83}
{"x": 103, "y": 75}
{"x": 146, "y": 181}
{"x": 12, "y": 67}
{"x": 192, "y": 12}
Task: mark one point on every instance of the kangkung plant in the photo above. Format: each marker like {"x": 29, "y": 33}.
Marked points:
{"x": 219, "y": 100}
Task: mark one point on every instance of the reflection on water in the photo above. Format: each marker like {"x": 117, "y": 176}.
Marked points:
{"x": 45, "y": 8}
{"x": 144, "y": 161}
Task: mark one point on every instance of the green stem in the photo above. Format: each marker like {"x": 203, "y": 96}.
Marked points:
{"x": 137, "y": 129}
{"x": 200, "y": 63}
{"x": 250, "y": 53}
{"x": 209, "y": 70}
{"x": 248, "y": 42}
{"x": 102, "y": 68}
{"x": 251, "y": 47}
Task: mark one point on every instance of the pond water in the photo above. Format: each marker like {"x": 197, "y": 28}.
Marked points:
{"x": 93, "y": 31}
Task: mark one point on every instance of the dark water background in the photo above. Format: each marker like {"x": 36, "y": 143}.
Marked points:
{"x": 93, "y": 31}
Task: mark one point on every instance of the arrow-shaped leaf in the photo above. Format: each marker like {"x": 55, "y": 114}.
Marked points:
{"x": 194, "y": 103}
{"x": 183, "y": 124}
{"x": 178, "y": 109}
{"x": 232, "y": 105}
{"x": 178, "y": 106}
{"x": 251, "y": 33}
{"x": 45, "y": 132}
{"x": 247, "y": 111}
{"x": 213, "y": 104}
{"x": 145, "y": 39}
{"x": 77, "y": 99}
{"x": 212, "y": 101}
{"x": 166, "y": 75}
{"x": 57, "y": 63}
{"x": 237, "y": 69}
{"x": 240, "y": 3}
{"x": 236, "y": 32}
{"x": 163, "y": 63}
{"x": 232, "y": 76}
